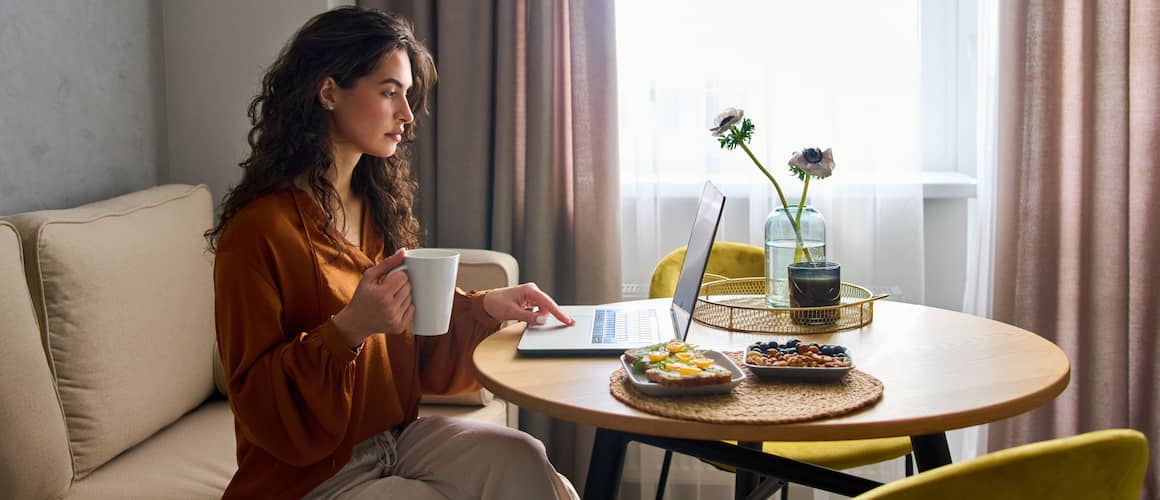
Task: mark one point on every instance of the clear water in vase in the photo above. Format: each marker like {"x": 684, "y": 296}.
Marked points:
{"x": 778, "y": 256}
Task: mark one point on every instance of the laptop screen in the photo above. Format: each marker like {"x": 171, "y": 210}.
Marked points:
{"x": 697, "y": 255}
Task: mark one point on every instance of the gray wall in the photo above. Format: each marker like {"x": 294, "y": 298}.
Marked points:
{"x": 81, "y": 101}
{"x": 101, "y": 98}
{"x": 215, "y": 54}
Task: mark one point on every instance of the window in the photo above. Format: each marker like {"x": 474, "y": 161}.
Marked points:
{"x": 893, "y": 81}
{"x": 891, "y": 86}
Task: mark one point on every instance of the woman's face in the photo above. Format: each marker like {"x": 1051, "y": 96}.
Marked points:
{"x": 371, "y": 115}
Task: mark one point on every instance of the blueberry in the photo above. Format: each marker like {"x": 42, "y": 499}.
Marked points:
{"x": 773, "y": 344}
{"x": 793, "y": 343}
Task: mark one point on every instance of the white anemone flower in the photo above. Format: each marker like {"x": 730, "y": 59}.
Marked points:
{"x": 726, "y": 120}
{"x": 814, "y": 161}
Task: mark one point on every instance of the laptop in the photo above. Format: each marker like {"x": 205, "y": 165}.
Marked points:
{"x": 609, "y": 330}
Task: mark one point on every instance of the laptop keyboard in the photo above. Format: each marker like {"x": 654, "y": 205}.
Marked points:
{"x": 624, "y": 326}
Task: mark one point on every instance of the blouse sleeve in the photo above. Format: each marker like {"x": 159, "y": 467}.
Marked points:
{"x": 291, "y": 393}
{"x": 445, "y": 360}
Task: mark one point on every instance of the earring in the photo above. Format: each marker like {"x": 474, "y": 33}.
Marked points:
{"x": 330, "y": 107}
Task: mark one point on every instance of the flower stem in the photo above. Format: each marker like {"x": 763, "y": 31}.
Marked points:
{"x": 798, "y": 221}
{"x": 768, "y": 175}
{"x": 796, "y": 228}
{"x": 802, "y": 202}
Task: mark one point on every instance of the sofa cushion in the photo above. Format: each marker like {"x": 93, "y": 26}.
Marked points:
{"x": 123, "y": 290}
{"x": 34, "y": 461}
{"x": 191, "y": 459}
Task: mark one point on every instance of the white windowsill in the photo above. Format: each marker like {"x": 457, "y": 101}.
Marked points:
{"x": 947, "y": 185}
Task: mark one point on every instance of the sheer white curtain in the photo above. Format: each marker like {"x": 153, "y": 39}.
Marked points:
{"x": 977, "y": 295}
{"x": 843, "y": 74}
{"x": 807, "y": 77}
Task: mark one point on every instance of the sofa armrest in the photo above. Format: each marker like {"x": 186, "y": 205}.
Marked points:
{"x": 480, "y": 270}
{"x": 485, "y": 269}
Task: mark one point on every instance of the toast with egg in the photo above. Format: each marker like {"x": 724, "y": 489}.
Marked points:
{"x": 677, "y": 364}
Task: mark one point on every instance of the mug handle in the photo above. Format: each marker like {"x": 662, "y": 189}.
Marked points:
{"x": 382, "y": 278}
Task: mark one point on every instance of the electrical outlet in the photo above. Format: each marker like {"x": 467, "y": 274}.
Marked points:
{"x": 631, "y": 290}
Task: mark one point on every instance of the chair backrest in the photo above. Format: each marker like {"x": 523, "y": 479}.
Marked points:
{"x": 1108, "y": 464}
{"x": 728, "y": 259}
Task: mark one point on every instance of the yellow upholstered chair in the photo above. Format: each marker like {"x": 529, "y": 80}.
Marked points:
{"x": 1108, "y": 464}
{"x": 728, "y": 259}
{"x": 740, "y": 260}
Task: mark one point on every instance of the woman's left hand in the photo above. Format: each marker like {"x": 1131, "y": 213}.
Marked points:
{"x": 516, "y": 303}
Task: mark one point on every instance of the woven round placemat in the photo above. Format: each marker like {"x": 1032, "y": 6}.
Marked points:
{"x": 759, "y": 401}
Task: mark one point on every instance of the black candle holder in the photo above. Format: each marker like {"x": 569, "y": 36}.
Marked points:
{"x": 814, "y": 284}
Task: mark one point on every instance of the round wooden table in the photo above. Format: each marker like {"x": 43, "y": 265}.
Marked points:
{"x": 941, "y": 370}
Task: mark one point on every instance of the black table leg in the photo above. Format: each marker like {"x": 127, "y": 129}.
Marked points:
{"x": 605, "y": 466}
{"x": 772, "y": 466}
{"x": 663, "y": 482}
{"x": 745, "y": 481}
{"x": 608, "y": 452}
{"x": 930, "y": 451}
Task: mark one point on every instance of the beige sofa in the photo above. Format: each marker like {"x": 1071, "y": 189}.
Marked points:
{"x": 107, "y": 356}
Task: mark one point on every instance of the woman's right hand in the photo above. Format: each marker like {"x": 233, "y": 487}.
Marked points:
{"x": 381, "y": 303}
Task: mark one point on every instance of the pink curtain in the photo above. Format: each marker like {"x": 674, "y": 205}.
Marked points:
{"x": 520, "y": 153}
{"x": 1077, "y": 256}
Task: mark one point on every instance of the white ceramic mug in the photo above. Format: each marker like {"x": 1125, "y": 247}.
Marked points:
{"x": 432, "y": 273}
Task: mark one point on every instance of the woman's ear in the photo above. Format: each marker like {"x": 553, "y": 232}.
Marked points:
{"x": 326, "y": 93}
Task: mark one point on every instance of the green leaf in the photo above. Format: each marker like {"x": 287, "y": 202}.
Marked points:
{"x": 746, "y": 131}
{"x": 736, "y": 135}
{"x": 797, "y": 172}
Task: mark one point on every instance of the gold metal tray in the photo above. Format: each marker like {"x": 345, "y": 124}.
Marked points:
{"x": 738, "y": 304}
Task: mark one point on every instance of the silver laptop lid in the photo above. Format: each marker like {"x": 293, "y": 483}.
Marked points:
{"x": 697, "y": 257}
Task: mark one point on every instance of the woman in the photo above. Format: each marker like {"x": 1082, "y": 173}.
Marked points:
{"x": 324, "y": 374}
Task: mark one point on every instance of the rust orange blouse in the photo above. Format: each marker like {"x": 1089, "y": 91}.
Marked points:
{"x": 301, "y": 398}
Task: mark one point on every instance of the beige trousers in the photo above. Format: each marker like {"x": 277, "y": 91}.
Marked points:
{"x": 441, "y": 458}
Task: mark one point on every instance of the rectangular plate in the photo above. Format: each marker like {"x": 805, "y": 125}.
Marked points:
{"x": 641, "y": 383}
{"x": 800, "y": 372}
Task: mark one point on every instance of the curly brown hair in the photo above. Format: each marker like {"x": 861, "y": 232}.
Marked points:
{"x": 289, "y": 137}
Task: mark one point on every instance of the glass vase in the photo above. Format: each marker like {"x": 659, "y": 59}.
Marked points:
{"x": 782, "y": 248}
